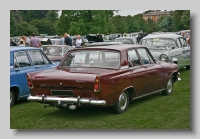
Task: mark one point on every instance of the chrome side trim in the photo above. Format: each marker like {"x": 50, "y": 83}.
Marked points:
{"x": 77, "y": 100}
{"x": 148, "y": 94}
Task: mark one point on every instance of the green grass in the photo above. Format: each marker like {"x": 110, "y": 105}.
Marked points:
{"x": 152, "y": 112}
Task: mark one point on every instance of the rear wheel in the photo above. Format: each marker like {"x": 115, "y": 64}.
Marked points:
{"x": 169, "y": 88}
{"x": 122, "y": 103}
{"x": 12, "y": 97}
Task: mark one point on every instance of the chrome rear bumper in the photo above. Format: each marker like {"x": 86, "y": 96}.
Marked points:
{"x": 59, "y": 100}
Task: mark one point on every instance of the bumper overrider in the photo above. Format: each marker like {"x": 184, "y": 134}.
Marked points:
{"x": 45, "y": 99}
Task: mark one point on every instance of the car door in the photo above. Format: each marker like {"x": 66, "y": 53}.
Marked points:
{"x": 40, "y": 60}
{"x": 138, "y": 74}
{"x": 22, "y": 65}
{"x": 185, "y": 57}
{"x": 154, "y": 71}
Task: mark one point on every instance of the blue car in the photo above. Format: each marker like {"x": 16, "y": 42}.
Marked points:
{"x": 24, "y": 60}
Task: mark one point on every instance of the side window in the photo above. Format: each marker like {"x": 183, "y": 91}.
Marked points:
{"x": 145, "y": 57}
{"x": 178, "y": 42}
{"x": 133, "y": 58}
{"x": 21, "y": 59}
{"x": 183, "y": 42}
{"x": 38, "y": 58}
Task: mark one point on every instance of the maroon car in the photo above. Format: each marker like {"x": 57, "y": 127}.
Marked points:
{"x": 102, "y": 76}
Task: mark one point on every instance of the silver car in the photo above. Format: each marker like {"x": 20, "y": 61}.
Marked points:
{"x": 168, "y": 47}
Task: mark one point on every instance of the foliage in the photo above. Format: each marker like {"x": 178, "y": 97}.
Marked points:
{"x": 52, "y": 16}
{"x": 17, "y": 15}
{"x": 185, "y": 19}
{"x": 177, "y": 26}
{"x": 13, "y": 25}
{"x": 166, "y": 24}
{"x": 95, "y": 21}
{"x": 44, "y": 26}
{"x": 29, "y": 15}
{"x": 77, "y": 27}
{"x": 119, "y": 24}
{"x": 26, "y": 29}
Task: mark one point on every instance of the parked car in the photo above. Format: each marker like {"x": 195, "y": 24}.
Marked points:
{"x": 102, "y": 76}
{"x": 55, "y": 53}
{"x": 116, "y": 35}
{"x": 22, "y": 60}
{"x": 104, "y": 44}
{"x": 126, "y": 40}
{"x": 168, "y": 48}
{"x": 56, "y": 41}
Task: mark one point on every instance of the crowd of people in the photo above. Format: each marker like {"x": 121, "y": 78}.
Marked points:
{"x": 33, "y": 41}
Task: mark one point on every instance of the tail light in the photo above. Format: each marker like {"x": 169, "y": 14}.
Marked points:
{"x": 96, "y": 84}
{"x": 30, "y": 84}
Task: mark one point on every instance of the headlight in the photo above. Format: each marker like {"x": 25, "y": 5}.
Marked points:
{"x": 164, "y": 57}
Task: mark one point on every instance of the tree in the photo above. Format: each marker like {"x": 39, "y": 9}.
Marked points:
{"x": 177, "y": 25}
{"x": 44, "y": 26}
{"x": 119, "y": 24}
{"x": 77, "y": 27}
{"x": 185, "y": 19}
{"x": 29, "y": 15}
{"x": 52, "y": 16}
{"x": 17, "y": 16}
{"x": 26, "y": 29}
{"x": 13, "y": 25}
{"x": 166, "y": 25}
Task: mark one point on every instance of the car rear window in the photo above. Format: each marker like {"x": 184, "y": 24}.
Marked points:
{"x": 92, "y": 58}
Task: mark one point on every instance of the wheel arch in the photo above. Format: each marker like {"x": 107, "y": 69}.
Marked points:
{"x": 130, "y": 91}
{"x": 16, "y": 89}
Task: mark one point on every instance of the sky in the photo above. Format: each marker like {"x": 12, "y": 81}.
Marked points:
{"x": 124, "y": 12}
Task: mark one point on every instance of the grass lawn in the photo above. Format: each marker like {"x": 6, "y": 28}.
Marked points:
{"x": 152, "y": 112}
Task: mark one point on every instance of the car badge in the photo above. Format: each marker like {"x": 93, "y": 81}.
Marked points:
{"x": 60, "y": 83}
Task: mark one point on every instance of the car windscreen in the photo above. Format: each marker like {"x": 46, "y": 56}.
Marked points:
{"x": 158, "y": 42}
{"x": 92, "y": 58}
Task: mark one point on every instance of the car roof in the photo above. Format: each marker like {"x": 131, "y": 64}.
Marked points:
{"x": 104, "y": 43}
{"x": 57, "y": 45}
{"x": 120, "y": 47}
{"x": 125, "y": 38}
{"x": 167, "y": 35}
{"x": 14, "y": 48}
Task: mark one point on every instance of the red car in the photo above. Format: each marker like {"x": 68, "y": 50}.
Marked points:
{"x": 102, "y": 76}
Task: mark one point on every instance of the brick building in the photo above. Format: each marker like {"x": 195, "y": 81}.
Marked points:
{"x": 155, "y": 15}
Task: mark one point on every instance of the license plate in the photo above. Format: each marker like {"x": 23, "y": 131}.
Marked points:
{"x": 62, "y": 93}
{"x": 174, "y": 59}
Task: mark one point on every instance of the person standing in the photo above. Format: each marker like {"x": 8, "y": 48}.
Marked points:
{"x": 68, "y": 40}
{"x": 78, "y": 41}
{"x": 63, "y": 39}
{"x": 35, "y": 42}
{"x": 21, "y": 43}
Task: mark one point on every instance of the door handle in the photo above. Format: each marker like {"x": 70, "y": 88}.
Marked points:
{"x": 36, "y": 67}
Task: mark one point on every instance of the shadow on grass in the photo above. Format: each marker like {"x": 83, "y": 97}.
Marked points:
{"x": 96, "y": 112}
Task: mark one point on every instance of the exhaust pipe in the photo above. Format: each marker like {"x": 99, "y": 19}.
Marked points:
{"x": 72, "y": 107}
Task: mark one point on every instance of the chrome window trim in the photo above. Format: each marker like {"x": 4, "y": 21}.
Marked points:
{"x": 88, "y": 66}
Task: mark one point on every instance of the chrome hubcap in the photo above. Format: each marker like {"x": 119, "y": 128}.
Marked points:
{"x": 169, "y": 86}
{"x": 122, "y": 101}
{"x": 10, "y": 97}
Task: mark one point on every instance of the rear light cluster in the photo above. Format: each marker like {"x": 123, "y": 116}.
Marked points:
{"x": 30, "y": 84}
{"x": 96, "y": 84}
